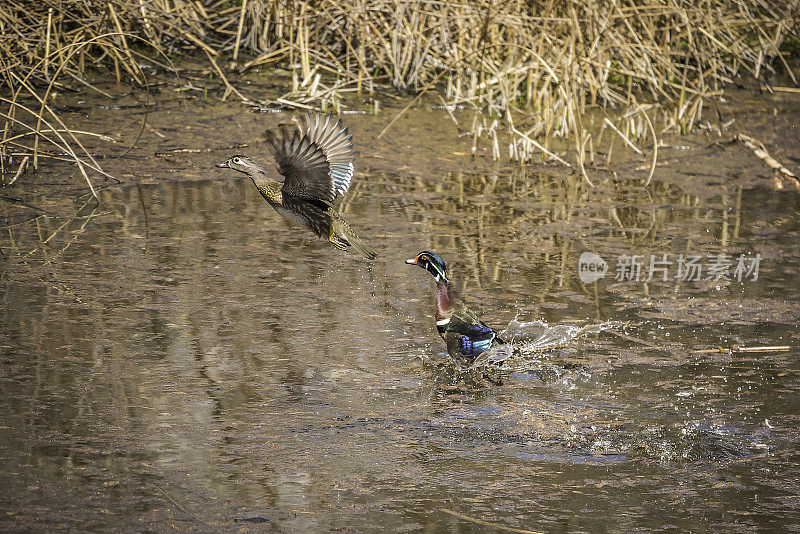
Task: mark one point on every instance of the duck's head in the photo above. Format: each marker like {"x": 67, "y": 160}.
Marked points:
{"x": 241, "y": 163}
{"x": 431, "y": 262}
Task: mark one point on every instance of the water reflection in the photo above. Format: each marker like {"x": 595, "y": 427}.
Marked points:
{"x": 181, "y": 355}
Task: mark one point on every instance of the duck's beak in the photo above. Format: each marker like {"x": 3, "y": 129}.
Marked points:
{"x": 223, "y": 165}
{"x": 412, "y": 262}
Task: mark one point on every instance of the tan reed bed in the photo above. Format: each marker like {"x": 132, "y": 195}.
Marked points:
{"x": 530, "y": 71}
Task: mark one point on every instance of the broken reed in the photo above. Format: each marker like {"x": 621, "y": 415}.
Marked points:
{"x": 530, "y": 70}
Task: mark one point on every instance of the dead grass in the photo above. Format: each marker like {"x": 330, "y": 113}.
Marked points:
{"x": 530, "y": 71}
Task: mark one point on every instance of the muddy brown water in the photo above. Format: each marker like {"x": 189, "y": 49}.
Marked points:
{"x": 178, "y": 357}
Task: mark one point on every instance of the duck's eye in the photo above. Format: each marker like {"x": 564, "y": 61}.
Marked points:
{"x": 423, "y": 257}
{"x": 237, "y": 160}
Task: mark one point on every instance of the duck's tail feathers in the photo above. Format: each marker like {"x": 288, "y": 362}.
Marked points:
{"x": 363, "y": 248}
{"x": 342, "y": 235}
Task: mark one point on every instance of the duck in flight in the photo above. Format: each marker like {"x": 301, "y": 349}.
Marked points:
{"x": 317, "y": 167}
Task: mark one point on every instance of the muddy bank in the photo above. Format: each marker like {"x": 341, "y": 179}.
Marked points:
{"x": 139, "y": 136}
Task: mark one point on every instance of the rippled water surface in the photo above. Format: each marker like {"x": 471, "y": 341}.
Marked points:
{"x": 180, "y": 358}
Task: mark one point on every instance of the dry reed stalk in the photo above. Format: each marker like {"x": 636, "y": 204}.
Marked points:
{"x": 22, "y": 85}
{"x": 782, "y": 174}
{"x": 239, "y": 30}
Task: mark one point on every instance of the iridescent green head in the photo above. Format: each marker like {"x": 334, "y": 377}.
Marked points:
{"x": 431, "y": 262}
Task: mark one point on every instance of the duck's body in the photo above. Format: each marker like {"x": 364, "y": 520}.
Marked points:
{"x": 317, "y": 167}
{"x": 464, "y": 334}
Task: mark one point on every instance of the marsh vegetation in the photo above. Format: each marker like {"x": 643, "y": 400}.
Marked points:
{"x": 572, "y": 82}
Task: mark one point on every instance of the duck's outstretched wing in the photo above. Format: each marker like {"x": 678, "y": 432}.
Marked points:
{"x": 316, "y": 165}
{"x": 336, "y": 143}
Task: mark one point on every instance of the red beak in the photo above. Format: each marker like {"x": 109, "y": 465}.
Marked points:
{"x": 412, "y": 262}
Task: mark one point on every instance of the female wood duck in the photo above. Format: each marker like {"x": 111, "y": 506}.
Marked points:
{"x": 317, "y": 167}
{"x": 464, "y": 333}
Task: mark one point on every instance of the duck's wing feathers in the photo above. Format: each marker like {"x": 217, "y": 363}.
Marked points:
{"x": 468, "y": 340}
{"x": 467, "y": 320}
{"x": 312, "y": 214}
{"x": 337, "y": 145}
{"x": 465, "y": 314}
{"x": 316, "y": 165}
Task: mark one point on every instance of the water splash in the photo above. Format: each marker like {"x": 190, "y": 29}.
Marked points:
{"x": 527, "y": 342}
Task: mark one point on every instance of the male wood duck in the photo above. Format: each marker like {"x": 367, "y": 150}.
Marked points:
{"x": 317, "y": 167}
{"x": 464, "y": 333}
